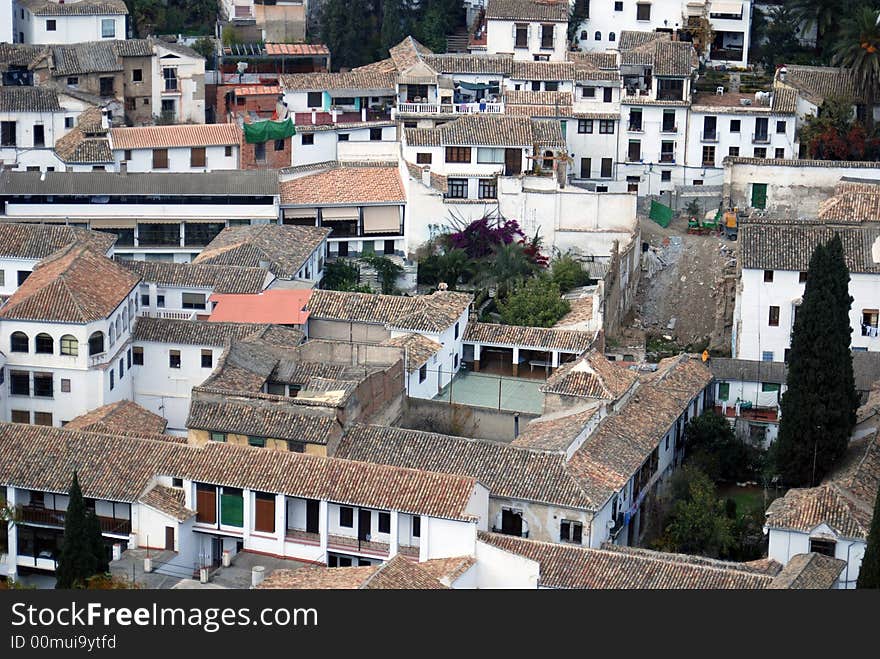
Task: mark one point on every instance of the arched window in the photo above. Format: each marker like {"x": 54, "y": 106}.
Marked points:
{"x": 69, "y": 345}
{"x": 96, "y": 343}
{"x": 118, "y": 326}
{"x": 44, "y": 344}
{"x": 125, "y": 320}
{"x": 548, "y": 159}
{"x": 130, "y": 310}
{"x": 611, "y": 36}
{"x": 112, "y": 334}
{"x": 584, "y": 35}
{"x": 18, "y": 342}
{"x": 598, "y": 36}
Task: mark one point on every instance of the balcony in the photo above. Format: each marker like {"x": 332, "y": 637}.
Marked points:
{"x": 709, "y": 136}
{"x": 522, "y": 534}
{"x": 304, "y": 537}
{"x": 450, "y": 108}
{"x": 635, "y": 128}
{"x": 99, "y": 358}
{"x": 726, "y": 54}
{"x": 171, "y": 315}
{"x": 671, "y": 128}
{"x": 349, "y": 543}
{"x": 46, "y": 517}
{"x": 760, "y": 138}
{"x": 408, "y": 551}
{"x": 667, "y": 157}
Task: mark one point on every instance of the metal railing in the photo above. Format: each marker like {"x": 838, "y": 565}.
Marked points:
{"x": 33, "y": 515}
{"x": 709, "y": 136}
{"x": 760, "y": 138}
{"x": 345, "y": 542}
{"x": 451, "y": 108}
{"x": 523, "y": 534}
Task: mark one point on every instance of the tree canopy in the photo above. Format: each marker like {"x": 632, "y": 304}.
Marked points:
{"x": 869, "y": 573}
{"x": 82, "y": 553}
{"x": 536, "y": 303}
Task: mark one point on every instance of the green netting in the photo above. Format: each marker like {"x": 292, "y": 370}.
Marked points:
{"x": 263, "y": 131}
{"x": 660, "y": 213}
{"x": 232, "y": 510}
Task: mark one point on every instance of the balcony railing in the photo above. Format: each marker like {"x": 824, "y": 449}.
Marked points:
{"x": 100, "y": 358}
{"x": 407, "y": 550}
{"x": 172, "y": 315}
{"x": 709, "y": 136}
{"x": 33, "y": 515}
{"x": 299, "y": 535}
{"x": 635, "y": 128}
{"x": 524, "y": 534}
{"x": 667, "y": 157}
{"x": 349, "y": 543}
{"x": 760, "y": 138}
{"x": 669, "y": 129}
{"x": 450, "y": 108}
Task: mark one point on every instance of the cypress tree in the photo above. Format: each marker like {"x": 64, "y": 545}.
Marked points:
{"x": 819, "y": 407}
{"x": 99, "y": 549}
{"x": 869, "y": 573}
{"x": 77, "y": 561}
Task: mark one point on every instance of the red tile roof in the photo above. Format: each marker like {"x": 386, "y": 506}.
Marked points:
{"x": 341, "y": 185}
{"x": 296, "y": 49}
{"x": 147, "y": 137}
{"x": 283, "y": 307}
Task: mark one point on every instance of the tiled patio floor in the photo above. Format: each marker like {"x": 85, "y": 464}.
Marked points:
{"x": 482, "y": 390}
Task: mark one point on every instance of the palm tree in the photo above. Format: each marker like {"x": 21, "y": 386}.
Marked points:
{"x": 858, "y": 50}
{"x": 509, "y": 265}
{"x": 824, "y": 14}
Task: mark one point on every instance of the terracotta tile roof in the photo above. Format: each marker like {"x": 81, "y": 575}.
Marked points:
{"x": 20, "y": 54}
{"x": 79, "y": 148}
{"x": 538, "y": 110}
{"x": 852, "y": 202}
{"x": 286, "y": 248}
{"x": 419, "y": 349}
{"x": 284, "y": 306}
{"x": 135, "y": 47}
{"x": 548, "y": 133}
{"x": 820, "y": 82}
{"x": 525, "y": 70}
{"x": 508, "y": 471}
{"x": 258, "y": 90}
{"x": 809, "y": 571}
{"x": 626, "y": 438}
{"x": 305, "y": 49}
{"x": 169, "y": 500}
{"x": 119, "y": 418}
{"x": 29, "y": 99}
{"x": 581, "y": 312}
{"x": 528, "y": 10}
{"x": 590, "y": 376}
{"x": 746, "y": 370}
{"x": 788, "y": 244}
{"x": 535, "y": 337}
{"x": 395, "y": 574}
{"x": 631, "y": 39}
{"x": 475, "y": 130}
{"x": 77, "y": 8}
{"x": 345, "y": 185}
{"x": 121, "y": 468}
{"x": 192, "y": 332}
{"x": 612, "y": 567}
{"x": 453, "y": 63}
{"x": 219, "y": 278}
{"x": 422, "y": 313}
{"x": 594, "y": 60}
{"x": 537, "y": 98}
{"x": 407, "y": 53}
{"x": 148, "y": 137}
{"x": 84, "y": 58}
{"x": 844, "y": 501}
{"x": 275, "y": 419}
{"x": 557, "y": 431}
{"x": 803, "y": 162}
{"x": 75, "y": 285}
{"x": 448, "y": 570}
{"x": 36, "y": 241}
{"x": 657, "y": 50}
{"x": 352, "y": 80}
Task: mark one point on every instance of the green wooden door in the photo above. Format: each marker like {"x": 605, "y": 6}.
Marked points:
{"x": 759, "y": 195}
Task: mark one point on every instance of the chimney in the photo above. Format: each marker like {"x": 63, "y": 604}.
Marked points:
{"x": 105, "y": 119}
{"x": 314, "y": 116}
{"x": 426, "y": 177}
{"x": 333, "y": 114}
{"x": 363, "y": 114}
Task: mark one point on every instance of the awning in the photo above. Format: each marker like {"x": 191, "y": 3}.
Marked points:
{"x": 476, "y": 86}
{"x": 264, "y": 131}
{"x": 116, "y": 223}
{"x": 205, "y": 220}
{"x": 337, "y": 214}
{"x": 160, "y": 220}
{"x": 381, "y": 219}
{"x": 300, "y": 212}
{"x": 732, "y": 7}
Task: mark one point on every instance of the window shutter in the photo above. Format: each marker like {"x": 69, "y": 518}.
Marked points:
{"x": 577, "y": 532}
{"x": 264, "y": 508}
{"x": 513, "y": 28}
{"x": 563, "y": 530}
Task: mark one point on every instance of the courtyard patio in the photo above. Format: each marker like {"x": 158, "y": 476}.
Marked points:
{"x": 494, "y": 391}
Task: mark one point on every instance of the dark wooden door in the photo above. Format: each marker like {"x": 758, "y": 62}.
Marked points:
{"x": 312, "y": 508}
{"x": 511, "y": 523}
{"x": 169, "y": 538}
{"x": 365, "y": 519}
{"x": 512, "y": 162}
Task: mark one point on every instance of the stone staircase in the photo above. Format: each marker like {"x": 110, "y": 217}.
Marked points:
{"x": 457, "y": 42}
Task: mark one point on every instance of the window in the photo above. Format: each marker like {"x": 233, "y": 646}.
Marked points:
{"x": 767, "y": 356}
{"x": 193, "y": 300}
{"x": 734, "y": 125}
{"x": 296, "y": 447}
{"x": 346, "y": 517}
{"x": 108, "y": 28}
{"x": 21, "y": 416}
{"x": 598, "y": 36}
{"x": 228, "y": 152}
{"x": 780, "y": 126}
{"x": 643, "y": 11}
{"x": 709, "y": 156}
{"x": 260, "y": 150}
{"x": 458, "y": 154}
{"x": 112, "y": 379}
{"x": 106, "y": 86}
{"x": 7, "y": 133}
{"x": 769, "y": 387}
{"x": 121, "y": 368}
{"x": 733, "y": 151}
{"x": 773, "y": 319}
{"x": 760, "y": 152}
{"x": 723, "y": 390}
{"x": 666, "y": 175}
{"x": 50, "y": 25}
{"x": 43, "y": 344}
{"x": 20, "y": 384}
{"x": 606, "y": 126}
{"x": 308, "y": 139}
{"x": 423, "y": 373}
{"x": 618, "y": 6}
{"x": 422, "y": 158}
{"x": 802, "y": 277}
{"x": 606, "y": 168}
{"x": 698, "y": 181}
{"x": 521, "y": 35}
{"x": 258, "y": 442}
{"x": 264, "y": 512}
{"x": 384, "y": 522}
{"x": 588, "y": 92}
{"x": 232, "y": 507}
{"x": 490, "y": 156}
{"x": 779, "y": 153}
{"x": 488, "y": 188}
{"x": 65, "y": 385}
{"x": 43, "y": 418}
{"x": 768, "y": 276}
{"x": 612, "y": 36}
{"x": 585, "y": 125}
{"x": 39, "y": 137}
{"x": 375, "y": 134}
{"x": 571, "y": 531}
{"x": 457, "y": 188}
{"x": 197, "y": 156}
{"x": 823, "y": 546}
{"x": 170, "y": 77}
{"x": 96, "y": 343}
{"x": 160, "y": 158}
{"x": 315, "y": 99}
{"x": 632, "y": 183}
{"x": 635, "y": 119}
{"x": 18, "y": 342}
{"x": 634, "y": 153}
{"x": 668, "y": 125}
{"x": 547, "y": 36}
{"x": 606, "y": 97}
{"x": 586, "y": 167}
{"x": 137, "y": 75}
{"x": 218, "y": 436}
{"x": 68, "y": 122}
{"x": 174, "y": 358}
{"x": 279, "y": 144}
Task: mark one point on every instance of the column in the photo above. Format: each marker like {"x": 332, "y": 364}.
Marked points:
{"x": 154, "y": 302}
{"x": 280, "y": 521}
{"x": 392, "y": 549}
{"x": 182, "y": 241}
{"x": 424, "y": 538}
{"x": 246, "y": 522}
{"x": 554, "y": 359}
{"x": 476, "y": 357}
{"x": 12, "y": 555}
{"x": 515, "y": 362}
{"x": 323, "y": 526}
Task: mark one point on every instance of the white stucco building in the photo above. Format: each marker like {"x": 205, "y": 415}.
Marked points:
{"x": 530, "y": 31}
{"x": 73, "y": 21}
